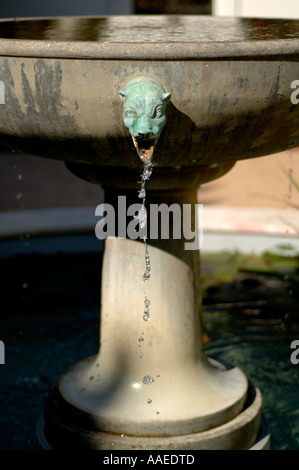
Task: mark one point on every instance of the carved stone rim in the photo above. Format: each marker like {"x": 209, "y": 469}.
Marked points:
{"x": 287, "y": 49}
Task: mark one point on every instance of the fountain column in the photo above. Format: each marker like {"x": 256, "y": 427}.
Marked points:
{"x": 151, "y": 385}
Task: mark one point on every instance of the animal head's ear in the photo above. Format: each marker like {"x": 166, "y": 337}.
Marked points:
{"x": 166, "y": 97}
{"x": 122, "y": 95}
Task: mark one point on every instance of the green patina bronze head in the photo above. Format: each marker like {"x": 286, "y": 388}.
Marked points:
{"x": 144, "y": 104}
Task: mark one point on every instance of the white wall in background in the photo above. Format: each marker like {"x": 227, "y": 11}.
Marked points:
{"x": 223, "y": 7}
{"x": 256, "y": 8}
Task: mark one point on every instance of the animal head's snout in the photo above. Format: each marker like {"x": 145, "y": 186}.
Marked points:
{"x": 143, "y": 128}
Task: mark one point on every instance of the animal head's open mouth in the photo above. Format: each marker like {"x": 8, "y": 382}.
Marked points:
{"x": 145, "y": 148}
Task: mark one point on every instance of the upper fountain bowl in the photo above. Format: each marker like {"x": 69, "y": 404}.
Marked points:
{"x": 232, "y": 83}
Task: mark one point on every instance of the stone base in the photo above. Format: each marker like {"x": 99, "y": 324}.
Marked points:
{"x": 60, "y": 428}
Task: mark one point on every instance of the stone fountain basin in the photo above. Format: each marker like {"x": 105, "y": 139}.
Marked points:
{"x": 231, "y": 86}
{"x": 230, "y": 82}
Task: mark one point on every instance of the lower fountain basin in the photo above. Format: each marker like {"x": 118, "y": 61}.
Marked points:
{"x": 36, "y": 316}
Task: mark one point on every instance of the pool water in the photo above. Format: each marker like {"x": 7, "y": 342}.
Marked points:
{"x": 51, "y": 320}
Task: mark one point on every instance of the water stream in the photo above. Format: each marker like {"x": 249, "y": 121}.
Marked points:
{"x": 142, "y": 218}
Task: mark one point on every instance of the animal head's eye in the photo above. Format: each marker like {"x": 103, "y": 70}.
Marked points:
{"x": 130, "y": 113}
{"x": 159, "y": 113}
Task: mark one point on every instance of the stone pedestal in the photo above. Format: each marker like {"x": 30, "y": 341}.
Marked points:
{"x": 151, "y": 385}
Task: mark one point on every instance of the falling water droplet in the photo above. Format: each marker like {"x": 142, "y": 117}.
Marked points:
{"x": 148, "y": 379}
{"x": 141, "y": 193}
{"x": 147, "y": 273}
{"x": 20, "y": 177}
{"x": 141, "y": 217}
{"x": 19, "y": 195}
{"x": 146, "y": 315}
{"x": 25, "y": 285}
{"x": 148, "y": 169}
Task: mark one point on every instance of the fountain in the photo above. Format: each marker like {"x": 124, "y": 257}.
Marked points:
{"x": 196, "y": 94}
